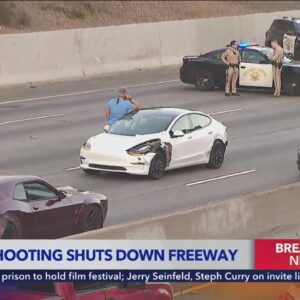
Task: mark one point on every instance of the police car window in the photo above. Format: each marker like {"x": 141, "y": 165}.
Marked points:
{"x": 281, "y": 25}
{"x": 276, "y": 25}
{"x": 290, "y": 28}
{"x": 252, "y": 56}
{"x": 199, "y": 121}
{"x": 214, "y": 54}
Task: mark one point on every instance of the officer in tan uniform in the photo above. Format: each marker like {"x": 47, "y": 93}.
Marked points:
{"x": 232, "y": 58}
{"x": 277, "y": 66}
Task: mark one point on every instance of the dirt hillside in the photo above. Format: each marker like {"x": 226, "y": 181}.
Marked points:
{"x": 29, "y": 16}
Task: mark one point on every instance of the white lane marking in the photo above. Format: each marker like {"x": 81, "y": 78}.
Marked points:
{"x": 85, "y": 92}
{"x": 221, "y": 177}
{"x": 31, "y": 119}
{"x": 226, "y": 111}
{"x": 73, "y": 168}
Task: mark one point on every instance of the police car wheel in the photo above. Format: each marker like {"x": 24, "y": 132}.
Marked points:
{"x": 289, "y": 86}
{"x": 204, "y": 81}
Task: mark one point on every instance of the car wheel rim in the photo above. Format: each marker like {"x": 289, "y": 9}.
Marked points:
{"x": 218, "y": 156}
{"x": 93, "y": 218}
{"x": 203, "y": 82}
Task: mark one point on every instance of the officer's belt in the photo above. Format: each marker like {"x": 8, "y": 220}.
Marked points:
{"x": 234, "y": 65}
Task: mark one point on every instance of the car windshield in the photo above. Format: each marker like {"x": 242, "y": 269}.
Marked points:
{"x": 142, "y": 122}
{"x": 269, "y": 53}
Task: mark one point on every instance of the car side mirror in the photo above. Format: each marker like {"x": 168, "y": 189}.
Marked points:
{"x": 178, "y": 133}
{"x": 62, "y": 195}
{"x": 106, "y": 128}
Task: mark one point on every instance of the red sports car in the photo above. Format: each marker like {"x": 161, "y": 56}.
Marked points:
{"x": 86, "y": 291}
{"x": 32, "y": 208}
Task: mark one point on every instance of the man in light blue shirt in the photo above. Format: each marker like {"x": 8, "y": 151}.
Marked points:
{"x": 119, "y": 107}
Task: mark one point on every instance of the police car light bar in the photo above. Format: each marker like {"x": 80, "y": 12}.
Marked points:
{"x": 245, "y": 45}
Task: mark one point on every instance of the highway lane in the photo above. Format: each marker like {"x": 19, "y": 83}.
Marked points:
{"x": 43, "y": 137}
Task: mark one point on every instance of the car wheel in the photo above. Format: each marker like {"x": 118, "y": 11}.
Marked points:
{"x": 10, "y": 231}
{"x": 90, "y": 172}
{"x": 216, "y": 155}
{"x": 92, "y": 218}
{"x": 204, "y": 81}
{"x": 289, "y": 86}
{"x": 157, "y": 166}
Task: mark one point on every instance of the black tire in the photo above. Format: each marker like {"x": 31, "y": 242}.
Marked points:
{"x": 90, "y": 171}
{"x": 289, "y": 86}
{"x": 217, "y": 155}
{"x": 204, "y": 81}
{"x": 10, "y": 232}
{"x": 158, "y": 166}
{"x": 92, "y": 218}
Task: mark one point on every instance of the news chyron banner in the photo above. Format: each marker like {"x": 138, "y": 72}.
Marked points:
{"x": 150, "y": 260}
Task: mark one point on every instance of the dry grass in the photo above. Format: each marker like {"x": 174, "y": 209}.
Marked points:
{"x": 28, "y": 16}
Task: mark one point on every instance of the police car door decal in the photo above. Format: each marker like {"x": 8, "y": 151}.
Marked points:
{"x": 259, "y": 75}
{"x": 289, "y": 44}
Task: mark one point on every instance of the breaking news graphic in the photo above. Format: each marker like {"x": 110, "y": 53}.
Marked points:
{"x": 78, "y": 264}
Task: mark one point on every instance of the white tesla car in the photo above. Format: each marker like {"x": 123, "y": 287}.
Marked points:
{"x": 153, "y": 140}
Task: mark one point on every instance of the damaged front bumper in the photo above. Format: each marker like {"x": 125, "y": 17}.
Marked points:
{"x": 136, "y": 165}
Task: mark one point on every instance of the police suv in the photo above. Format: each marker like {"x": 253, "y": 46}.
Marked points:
{"x": 207, "y": 71}
{"x": 287, "y": 32}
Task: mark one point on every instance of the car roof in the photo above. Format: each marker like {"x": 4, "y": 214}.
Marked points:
{"x": 295, "y": 19}
{"x": 167, "y": 111}
{"x": 172, "y": 111}
{"x": 17, "y": 178}
{"x": 259, "y": 48}
{"x": 8, "y": 183}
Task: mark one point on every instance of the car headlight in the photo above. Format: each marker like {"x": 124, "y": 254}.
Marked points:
{"x": 144, "y": 148}
{"x": 87, "y": 145}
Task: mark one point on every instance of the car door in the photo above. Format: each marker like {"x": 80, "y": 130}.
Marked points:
{"x": 255, "y": 69}
{"x": 51, "y": 214}
{"x": 181, "y": 146}
{"x": 216, "y": 66}
{"x": 202, "y": 138}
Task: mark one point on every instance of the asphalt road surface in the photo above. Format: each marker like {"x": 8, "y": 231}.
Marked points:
{"x": 43, "y": 127}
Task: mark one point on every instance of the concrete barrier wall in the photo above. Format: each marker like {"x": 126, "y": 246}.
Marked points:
{"x": 249, "y": 216}
{"x": 65, "y": 54}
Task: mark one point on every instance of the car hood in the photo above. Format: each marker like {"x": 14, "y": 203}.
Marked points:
{"x": 78, "y": 196}
{"x": 294, "y": 64}
{"x": 106, "y": 142}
